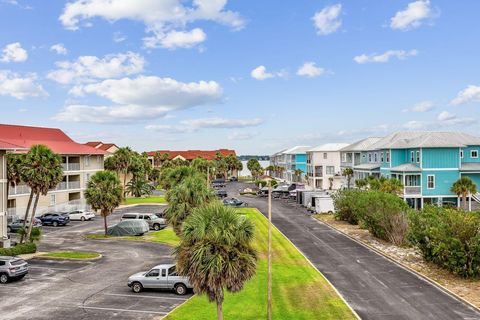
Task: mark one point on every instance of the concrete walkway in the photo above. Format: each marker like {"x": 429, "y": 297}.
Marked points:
{"x": 375, "y": 287}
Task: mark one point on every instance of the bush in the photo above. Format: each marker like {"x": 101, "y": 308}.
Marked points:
{"x": 449, "y": 238}
{"x": 19, "y": 249}
{"x": 345, "y": 202}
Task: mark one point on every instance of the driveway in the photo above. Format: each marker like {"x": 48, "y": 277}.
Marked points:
{"x": 89, "y": 290}
{"x": 375, "y": 287}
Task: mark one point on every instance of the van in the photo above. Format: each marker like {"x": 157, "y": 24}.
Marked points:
{"x": 154, "y": 222}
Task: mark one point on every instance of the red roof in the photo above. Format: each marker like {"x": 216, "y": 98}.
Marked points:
{"x": 100, "y": 145}
{"x": 55, "y": 139}
{"x": 192, "y": 154}
{"x": 93, "y": 143}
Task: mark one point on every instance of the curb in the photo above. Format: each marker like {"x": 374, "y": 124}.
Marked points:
{"x": 67, "y": 259}
{"x": 403, "y": 266}
{"x": 181, "y": 304}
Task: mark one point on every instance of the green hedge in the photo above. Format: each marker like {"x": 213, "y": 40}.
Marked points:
{"x": 449, "y": 238}
{"x": 345, "y": 202}
{"x": 19, "y": 249}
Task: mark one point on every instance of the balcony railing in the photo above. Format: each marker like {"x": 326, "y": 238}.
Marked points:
{"x": 412, "y": 190}
{"x": 74, "y": 185}
{"x": 21, "y": 189}
{"x": 24, "y": 189}
{"x": 71, "y": 166}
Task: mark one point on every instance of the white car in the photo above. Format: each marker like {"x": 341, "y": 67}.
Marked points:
{"x": 81, "y": 215}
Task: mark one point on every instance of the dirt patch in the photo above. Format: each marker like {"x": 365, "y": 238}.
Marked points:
{"x": 412, "y": 258}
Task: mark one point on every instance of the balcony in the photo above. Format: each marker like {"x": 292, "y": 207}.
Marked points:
{"x": 71, "y": 166}
{"x": 20, "y": 189}
{"x": 24, "y": 189}
{"x": 412, "y": 190}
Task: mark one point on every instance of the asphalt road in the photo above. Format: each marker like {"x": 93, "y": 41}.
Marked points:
{"x": 375, "y": 287}
{"x": 89, "y": 290}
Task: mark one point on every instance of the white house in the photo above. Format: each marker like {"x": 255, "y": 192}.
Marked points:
{"x": 323, "y": 166}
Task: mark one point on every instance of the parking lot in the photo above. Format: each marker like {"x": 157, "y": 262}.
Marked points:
{"x": 89, "y": 290}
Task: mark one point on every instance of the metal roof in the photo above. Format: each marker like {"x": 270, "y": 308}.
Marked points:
{"x": 297, "y": 150}
{"x": 367, "y": 166}
{"x": 406, "y": 167}
{"x": 329, "y": 147}
{"x": 361, "y": 145}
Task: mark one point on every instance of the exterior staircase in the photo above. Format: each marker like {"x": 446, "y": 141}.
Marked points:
{"x": 476, "y": 202}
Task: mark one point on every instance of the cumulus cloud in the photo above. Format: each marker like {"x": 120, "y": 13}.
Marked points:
{"x": 14, "y": 52}
{"x": 260, "y": 73}
{"x": 469, "y": 94}
{"x": 385, "y": 57}
{"x": 20, "y": 86}
{"x": 193, "y": 125}
{"x": 328, "y": 20}
{"x": 59, "y": 48}
{"x": 160, "y": 18}
{"x": 422, "y": 106}
{"x": 140, "y": 98}
{"x": 445, "y": 116}
{"x": 309, "y": 69}
{"x": 89, "y": 68}
{"x": 413, "y": 16}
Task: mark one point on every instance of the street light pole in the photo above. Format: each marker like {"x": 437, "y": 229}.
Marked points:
{"x": 269, "y": 280}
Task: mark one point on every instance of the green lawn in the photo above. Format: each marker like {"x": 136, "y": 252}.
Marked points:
{"x": 165, "y": 236}
{"x": 71, "y": 255}
{"x": 150, "y": 199}
{"x": 299, "y": 290}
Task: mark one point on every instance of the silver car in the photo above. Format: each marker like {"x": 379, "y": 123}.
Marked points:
{"x": 154, "y": 222}
{"x": 162, "y": 276}
{"x": 12, "y": 268}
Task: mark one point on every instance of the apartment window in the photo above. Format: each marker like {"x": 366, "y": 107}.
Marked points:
{"x": 318, "y": 183}
{"x": 344, "y": 157}
{"x": 412, "y": 156}
{"x": 369, "y": 157}
{"x": 325, "y": 155}
{"x": 388, "y": 157}
{"x": 375, "y": 157}
{"x": 330, "y": 170}
{"x": 431, "y": 182}
{"x": 318, "y": 171}
{"x": 461, "y": 154}
{"x": 418, "y": 156}
{"x": 474, "y": 154}
{"x": 52, "y": 200}
{"x": 381, "y": 157}
{"x": 87, "y": 161}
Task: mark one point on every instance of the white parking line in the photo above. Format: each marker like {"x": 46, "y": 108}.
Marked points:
{"x": 124, "y": 310}
{"x": 142, "y": 296}
{"x": 50, "y": 268}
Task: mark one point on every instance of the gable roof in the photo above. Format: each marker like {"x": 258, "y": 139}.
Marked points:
{"x": 419, "y": 139}
{"x": 93, "y": 143}
{"x": 361, "y": 145}
{"x": 329, "y": 147}
{"x": 192, "y": 154}
{"x": 297, "y": 150}
{"x": 24, "y": 137}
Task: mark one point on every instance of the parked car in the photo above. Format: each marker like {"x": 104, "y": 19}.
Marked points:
{"x": 221, "y": 194}
{"x": 134, "y": 227}
{"x": 234, "y": 202}
{"x": 160, "y": 214}
{"x": 55, "y": 219}
{"x": 218, "y": 183}
{"x": 233, "y": 179}
{"x": 154, "y": 222}
{"x": 163, "y": 276}
{"x": 81, "y": 215}
{"x": 12, "y": 268}
{"x": 17, "y": 224}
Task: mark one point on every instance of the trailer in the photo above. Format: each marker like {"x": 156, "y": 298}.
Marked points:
{"x": 323, "y": 204}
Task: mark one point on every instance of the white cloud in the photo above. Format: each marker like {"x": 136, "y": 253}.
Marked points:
{"x": 422, "y": 106}
{"x": 178, "y": 39}
{"x": 14, "y": 52}
{"x": 469, "y": 94}
{"x": 413, "y": 16}
{"x": 160, "y": 18}
{"x": 415, "y": 125}
{"x": 140, "y": 98}
{"x": 445, "y": 116}
{"x": 88, "y": 68}
{"x": 59, "y": 48}
{"x": 20, "y": 87}
{"x": 119, "y": 37}
{"x": 327, "y": 20}
{"x": 242, "y": 135}
{"x": 385, "y": 57}
{"x": 260, "y": 73}
{"x": 309, "y": 69}
{"x": 193, "y": 125}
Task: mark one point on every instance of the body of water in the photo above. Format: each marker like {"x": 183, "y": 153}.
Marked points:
{"x": 245, "y": 172}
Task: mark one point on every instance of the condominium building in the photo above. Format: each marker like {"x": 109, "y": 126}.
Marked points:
{"x": 293, "y": 161}
{"x": 323, "y": 166}
{"x": 79, "y": 162}
{"x": 355, "y": 156}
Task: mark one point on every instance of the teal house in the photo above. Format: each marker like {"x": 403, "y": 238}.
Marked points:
{"x": 427, "y": 164}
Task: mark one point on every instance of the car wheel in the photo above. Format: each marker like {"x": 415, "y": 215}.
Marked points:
{"x": 156, "y": 227}
{"x": 82, "y": 219}
{"x": 55, "y": 224}
{"x": 137, "y": 287}
{"x": 3, "y": 278}
{"x": 9, "y": 230}
{"x": 180, "y": 289}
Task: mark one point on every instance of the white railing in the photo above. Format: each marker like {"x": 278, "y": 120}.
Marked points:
{"x": 74, "y": 185}
{"x": 71, "y": 166}
{"x": 412, "y": 190}
{"x": 24, "y": 189}
{"x": 20, "y": 189}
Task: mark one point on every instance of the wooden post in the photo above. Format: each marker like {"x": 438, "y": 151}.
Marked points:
{"x": 269, "y": 284}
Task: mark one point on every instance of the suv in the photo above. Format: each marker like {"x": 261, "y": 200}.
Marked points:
{"x": 154, "y": 222}
{"x": 163, "y": 276}
{"x": 17, "y": 224}
{"x": 55, "y": 219}
{"x": 12, "y": 268}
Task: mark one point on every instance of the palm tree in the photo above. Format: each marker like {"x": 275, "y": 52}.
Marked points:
{"x": 348, "y": 173}
{"x": 122, "y": 162}
{"x": 42, "y": 171}
{"x": 184, "y": 197}
{"x": 464, "y": 187}
{"x": 330, "y": 181}
{"x": 174, "y": 176}
{"x": 14, "y": 169}
{"x": 392, "y": 185}
{"x": 216, "y": 252}
{"x": 298, "y": 174}
{"x": 104, "y": 192}
{"x": 138, "y": 187}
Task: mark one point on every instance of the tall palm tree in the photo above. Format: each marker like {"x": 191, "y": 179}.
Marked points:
{"x": 184, "y": 197}
{"x": 42, "y": 171}
{"x": 174, "y": 176}
{"x": 464, "y": 187}
{"x": 392, "y": 185}
{"x": 216, "y": 252}
{"x": 104, "y": 193}
{"x": 123, "y": 161}
{"x": 15, "y": 163}
{"x": 348, "y": 173}
{"x": 138, "y": 187}
{"x": 298, "y": 174}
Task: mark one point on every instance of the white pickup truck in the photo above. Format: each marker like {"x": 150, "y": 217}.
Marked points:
{"x": 163, "y": 276}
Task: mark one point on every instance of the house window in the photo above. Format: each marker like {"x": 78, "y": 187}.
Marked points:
{"x": 330, "y": 170}
{"x": 461, "y": 154}
{"x": 325, "y": 155}
{"x": 412, "y": 156}
{"x": 318, "y": 171}
{"x": 388, "y": 157}
{"x": 369, "y": 157}
{"x": 418, "y": 156}
{"x": 375, "y": 157}
{"x": 344, "y": 157}
{"x": 318, "y": 183}
{"x": 431, "y": 182}
{"x": 474, "y": 154}
{"x": 87, "y": 161}
{"x": 381, "y": 157}
{"x": 52, "y": 200}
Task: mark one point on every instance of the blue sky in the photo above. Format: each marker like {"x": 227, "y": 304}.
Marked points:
{"x": 257, "y": 76}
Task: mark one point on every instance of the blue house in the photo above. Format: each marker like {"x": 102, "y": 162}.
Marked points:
{"x": 427, "y": 164}
{"x": 295, "y": 158}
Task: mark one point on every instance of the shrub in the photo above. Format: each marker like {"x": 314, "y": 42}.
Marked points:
{"x": 19, "y": 249}
{"x": 345, "y": 202}
{"x": 449, "y": 238}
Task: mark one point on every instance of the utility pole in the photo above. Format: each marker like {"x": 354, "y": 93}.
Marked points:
{"x": 269, "y": 281}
